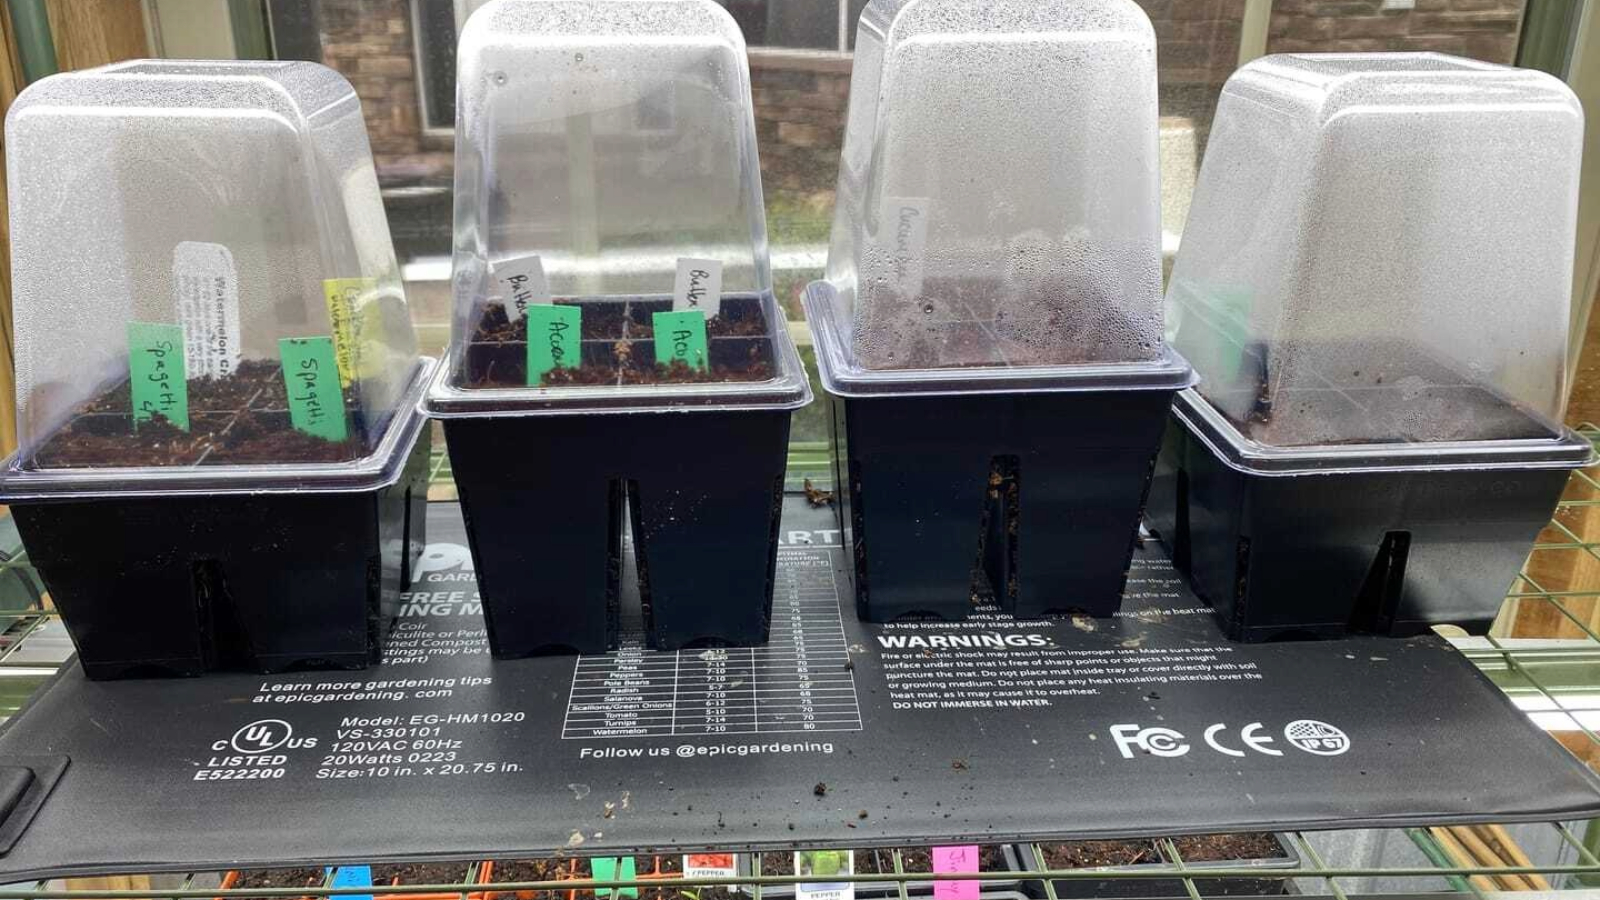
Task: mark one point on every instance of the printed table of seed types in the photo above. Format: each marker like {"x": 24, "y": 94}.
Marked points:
{"x": 800, "y": 681}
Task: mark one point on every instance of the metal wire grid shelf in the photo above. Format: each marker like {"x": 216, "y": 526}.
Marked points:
{"x": 1544, "y": 653}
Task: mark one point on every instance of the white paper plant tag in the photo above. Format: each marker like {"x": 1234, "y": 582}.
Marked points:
{"x": 699, "y": 286}
{"x": 519, "y": 283}
{"x": 904, "y": 229}
{"x": 822, "y": 864}
{"x": 205, "y": 287}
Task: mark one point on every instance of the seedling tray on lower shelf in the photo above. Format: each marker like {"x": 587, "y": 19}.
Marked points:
{"x": 834, "y": 734}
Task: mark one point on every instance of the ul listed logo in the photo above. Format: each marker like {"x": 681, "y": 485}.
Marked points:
{"x": 263, "y": 736}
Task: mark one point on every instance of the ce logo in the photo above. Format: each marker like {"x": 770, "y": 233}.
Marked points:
{"x": 1251, "y": 736}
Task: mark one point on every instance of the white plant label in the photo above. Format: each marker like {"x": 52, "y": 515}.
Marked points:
{"x": 205, "y": 287}
{"x": 905, "y": 234}
{"x": 823, "y": 864}
{"x": 699, "y": 286}
{"x": 520, "y": 283}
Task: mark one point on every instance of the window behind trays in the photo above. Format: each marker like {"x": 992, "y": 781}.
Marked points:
{"x": 805, "y": 27}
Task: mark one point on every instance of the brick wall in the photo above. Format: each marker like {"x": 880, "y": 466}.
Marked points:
{"x": 800, "y": 103}
{"x": 1482, "y": 29}
{"x": 800, "y": 111}
{"x": 370, "y": 43}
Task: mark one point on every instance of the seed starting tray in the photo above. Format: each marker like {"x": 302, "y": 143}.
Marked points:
{"x": 836, "y": 733}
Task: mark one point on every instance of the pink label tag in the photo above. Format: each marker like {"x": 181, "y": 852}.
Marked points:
{"x": 955, "y": 859}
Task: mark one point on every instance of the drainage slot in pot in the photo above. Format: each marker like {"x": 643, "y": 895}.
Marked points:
{"x": 998, "y": 533}
{"x": 222, "y": 636}
{"x": 1383, "y": 587}
{"x": 624, "y": 498}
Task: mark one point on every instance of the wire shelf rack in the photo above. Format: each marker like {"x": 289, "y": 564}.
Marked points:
{"x": 1544, "y": 652}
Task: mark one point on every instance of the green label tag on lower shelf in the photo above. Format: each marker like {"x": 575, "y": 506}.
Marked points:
{"x": 311, "y": 376}
{"x": 156, "y": 373}
{"x": 609, "y": 868}
{"x": 553, "y": 334}
{"x": 681, "y": 335}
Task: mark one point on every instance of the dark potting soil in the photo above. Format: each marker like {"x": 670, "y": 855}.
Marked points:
{"x": 425, "y": 873}
{"x": 1098, "y": 854}
{"x": 279, "y": 878}
{"x": 1229, "y": 847}
{"x": 619, "y": 348}
{"x": 239, "y": 419}
{"x": 1193, "y": 849}
{"x": 973, "y": 321}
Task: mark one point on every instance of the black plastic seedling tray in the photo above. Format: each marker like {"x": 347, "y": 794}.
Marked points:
{"x": 1041, "y": 490}
{"x": 619, "y": 335}
{"x": 550, "y": 476}
{"x": 991, "y": 730}
{"x": 993, "y": 884}
{"x": 1311, "y": 553}
{"x": 546, "y": 499}
{"x": 188, "y": 569}
{"x": 1161, "y": 883}
{"x": 184, "y": 585}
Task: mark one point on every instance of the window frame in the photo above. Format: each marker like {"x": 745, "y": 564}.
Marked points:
{"x": 773, "y": 56}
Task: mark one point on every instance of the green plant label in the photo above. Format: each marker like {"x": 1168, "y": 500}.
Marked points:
{"x": 553, "y": 334}
{"x": 156, "y": 373}
{"x": 681, "y": 335}
{"x": 311, "y": 376}
{"x": 610, "y": 868}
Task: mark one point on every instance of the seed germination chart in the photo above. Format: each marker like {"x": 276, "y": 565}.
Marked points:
{"x": 799, "y": 682}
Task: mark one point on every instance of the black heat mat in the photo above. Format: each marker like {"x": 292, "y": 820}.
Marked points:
{"x": 834, "y": 734}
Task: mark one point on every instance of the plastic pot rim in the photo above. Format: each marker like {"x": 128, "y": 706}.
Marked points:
{"x": 379, "y": 469}
{"x": 841, "y": 377}
{"x": 1228, "y": 444}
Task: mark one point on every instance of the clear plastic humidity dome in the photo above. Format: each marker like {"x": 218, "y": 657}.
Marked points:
{"x": 998, "y": 200}
{"x": 608, "y": 192}
{"x": 614, "y": 324}
{"x": 203, "y": 272}
{"x": 217, "y": 377}
{"x": 1380, "y": 251}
